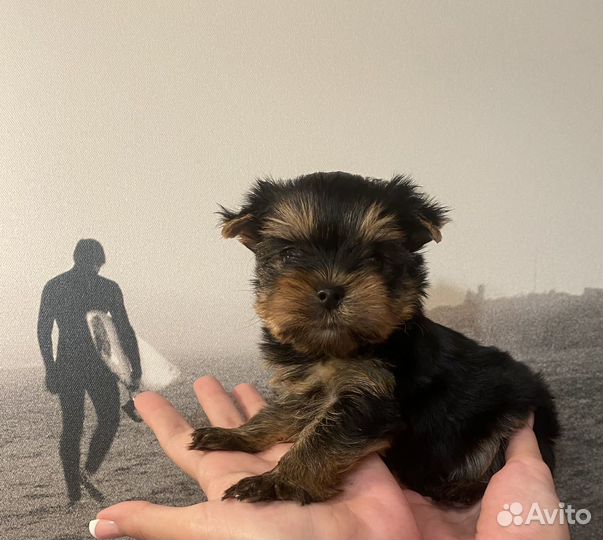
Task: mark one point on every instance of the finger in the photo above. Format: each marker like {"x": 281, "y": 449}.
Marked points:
{"x": 216, "y": 403}
{"x": 138, "y": 519}
{"x": 172, "y": 431}
{"x": 523, "y": 445}
{"x": 249, "y": 398}
{"x": 143, "y": 520}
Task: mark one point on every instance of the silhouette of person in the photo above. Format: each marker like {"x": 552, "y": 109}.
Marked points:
{"x": 78, "y": 367}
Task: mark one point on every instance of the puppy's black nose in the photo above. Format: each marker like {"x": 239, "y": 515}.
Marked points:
{"x": 331, "y": 297}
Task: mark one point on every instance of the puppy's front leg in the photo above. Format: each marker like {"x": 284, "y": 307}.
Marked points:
{"x": 328, "y": 447}
{"x": 273, "y": 424}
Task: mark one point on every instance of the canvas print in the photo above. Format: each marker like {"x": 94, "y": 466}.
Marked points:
{"x": 132, "y": 136}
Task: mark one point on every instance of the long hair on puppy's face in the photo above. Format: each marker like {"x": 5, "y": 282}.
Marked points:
{"x": 336, "y": 257}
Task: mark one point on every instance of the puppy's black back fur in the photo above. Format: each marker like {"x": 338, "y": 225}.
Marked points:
{"x": 453, "y": 395}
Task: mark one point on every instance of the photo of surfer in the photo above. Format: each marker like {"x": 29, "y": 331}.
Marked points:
{"x": 81, "y": 365}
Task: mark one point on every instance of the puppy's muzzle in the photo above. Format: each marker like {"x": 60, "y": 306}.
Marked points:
{"x": 331, "y": 297}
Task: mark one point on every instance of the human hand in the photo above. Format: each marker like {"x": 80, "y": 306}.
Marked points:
{"x": 52, "y": 379}
{"x": 525, "y": 479}
{"x": 371, "y": 504}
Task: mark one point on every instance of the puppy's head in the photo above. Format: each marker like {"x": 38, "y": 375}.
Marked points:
{"x": 336, "y": 257}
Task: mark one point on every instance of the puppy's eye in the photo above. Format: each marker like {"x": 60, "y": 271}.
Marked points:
{"x": 372, "y": 259}
{"x": 289, "y": 254}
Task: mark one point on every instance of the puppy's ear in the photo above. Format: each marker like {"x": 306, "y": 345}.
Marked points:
{"x": 423, "y": 231}
{"x": 421, "y": 216}
{"x": 246, "y": 223}
{"x": 241, "y": 225}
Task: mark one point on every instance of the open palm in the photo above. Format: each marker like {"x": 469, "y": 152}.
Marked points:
{"x": 370, "y": 505}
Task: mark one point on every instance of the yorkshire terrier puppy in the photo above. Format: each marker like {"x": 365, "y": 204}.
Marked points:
{"x": 358, "y": 368}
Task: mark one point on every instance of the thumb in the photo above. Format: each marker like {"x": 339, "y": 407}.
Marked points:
{"x": 523, "y": 444}
{"x": 143, "y": 520}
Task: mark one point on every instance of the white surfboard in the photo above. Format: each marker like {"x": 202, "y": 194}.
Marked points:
{"x": 157, "y": 371}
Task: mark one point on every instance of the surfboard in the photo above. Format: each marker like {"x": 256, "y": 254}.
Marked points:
{"x": 157, "y": 371}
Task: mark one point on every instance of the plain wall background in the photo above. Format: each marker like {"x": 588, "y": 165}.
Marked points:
{"x": 129, "y": 121}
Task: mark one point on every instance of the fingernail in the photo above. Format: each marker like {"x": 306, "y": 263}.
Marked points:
{"x": 103, "y": 528}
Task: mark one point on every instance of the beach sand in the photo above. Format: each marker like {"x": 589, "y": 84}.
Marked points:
{"x": 34, "y": 501}
{"x": 31, "y": 481}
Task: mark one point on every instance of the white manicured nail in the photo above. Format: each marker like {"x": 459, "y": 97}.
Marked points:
{"x": 92, "y": 527}
{"x": 104, "y": 528}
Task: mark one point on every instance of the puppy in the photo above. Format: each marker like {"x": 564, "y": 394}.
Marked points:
{"x": 358, "y": 368}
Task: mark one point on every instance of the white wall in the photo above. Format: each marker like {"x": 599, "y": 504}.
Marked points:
{"x": 130, "y": 121}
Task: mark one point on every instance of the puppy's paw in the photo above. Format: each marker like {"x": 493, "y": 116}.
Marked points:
{"x": 210, "y": 438}
{"x": 273, "y": 487}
